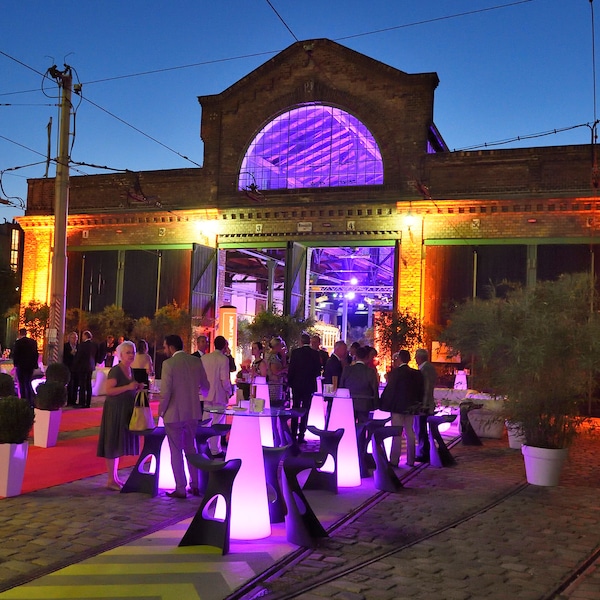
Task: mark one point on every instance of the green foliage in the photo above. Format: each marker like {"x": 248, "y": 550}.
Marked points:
{"x": 397, "y": 330}
{"x": 9, "y": 284}
{"x": 35, "y": 318}
{"x": 143, "y": 330}
{"x": 538, "y": 348}
{"x": 112, "y": 320}
{"x": 7, "y": 385}
{"x": 76, "y": 320}
{"x": 171, "y": 319}
{"x": 51, "y": 395}
{"x": 16, "y": 420}
{"x": 272, "y": 323}
{"x": 59, "y": 373}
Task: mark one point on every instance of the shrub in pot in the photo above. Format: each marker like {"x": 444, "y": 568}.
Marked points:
{"x": 536, "y": 347}
{"x": 16, "y": 420}
{"x": 7, "y": 385}
{"x": 51, "y": 395}
{"x": 59, "y": 373}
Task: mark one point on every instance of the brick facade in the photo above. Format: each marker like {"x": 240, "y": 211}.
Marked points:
{"x": 524, "y": 196}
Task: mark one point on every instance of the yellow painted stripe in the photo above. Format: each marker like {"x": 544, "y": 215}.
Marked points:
{"x": 103, "y": 592}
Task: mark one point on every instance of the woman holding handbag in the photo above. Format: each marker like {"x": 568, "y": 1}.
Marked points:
{"x": 115, "y": 439}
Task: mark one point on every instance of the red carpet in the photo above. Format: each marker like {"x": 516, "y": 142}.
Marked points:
{"x": 70, "y": 459}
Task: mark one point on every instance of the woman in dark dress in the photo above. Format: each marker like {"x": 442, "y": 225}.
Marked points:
{"x": 115, "y": 439}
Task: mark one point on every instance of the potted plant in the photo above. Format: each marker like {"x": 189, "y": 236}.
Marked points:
{"x": 16, "y": 419}
{"x": 50, "y": 398}
{"x": 537, "y": 347}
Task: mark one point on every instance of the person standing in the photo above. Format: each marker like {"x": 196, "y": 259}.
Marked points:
{"x": 115, "y": 439}
{"x": 84, "y": 364}
{"x": 106, "y": 351}
{"x": 333, "y": 372}
{"x": 25, "y": 359}
{"x": 69, "y": 352}
{"x": 201, "y": 346}
{"x": 303, "y": 370}
{"x": 315, "y": 344}
{"x": 403, "y": 397}
{"x": 429, "y": 380}
{"x": 216, "y": 365}
{"x": 183, "y": 379}
{"x": 363, "y": 384}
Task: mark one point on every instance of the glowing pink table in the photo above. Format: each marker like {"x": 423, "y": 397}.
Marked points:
{"x": 249, "y": 501}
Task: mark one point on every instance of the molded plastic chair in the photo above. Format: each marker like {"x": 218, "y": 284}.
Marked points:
{"x": 384, "y": 477}
{"x": 140, "y": 479}
{"x": 328, "y": 447}
{"x": 273, "y": 457}
{"x": 439, "y": 455}
{"x": 364, "y": 433}
{"x": 205, "y": 528}
{"x": 302, "y": 526}
{"x": 203, "y": 434}
{"x": 468, "y": 435}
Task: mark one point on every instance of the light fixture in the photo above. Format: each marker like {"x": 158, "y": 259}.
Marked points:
{"x": 409, "y": 218}
{"x": 353, "y": 281}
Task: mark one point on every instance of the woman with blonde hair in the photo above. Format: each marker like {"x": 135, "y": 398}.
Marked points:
{"x": 115, "y": 439}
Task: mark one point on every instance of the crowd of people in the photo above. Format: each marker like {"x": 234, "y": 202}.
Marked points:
{"x": 291, "y": 378}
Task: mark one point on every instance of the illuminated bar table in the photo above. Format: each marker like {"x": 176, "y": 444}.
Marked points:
{"x": 249, "y": 500}
{"x": 342, "y": 416}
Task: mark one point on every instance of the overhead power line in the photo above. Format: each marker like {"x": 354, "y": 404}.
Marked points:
{"x": 281, "y": 19}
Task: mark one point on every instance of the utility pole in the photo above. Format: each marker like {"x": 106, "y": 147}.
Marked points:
{"x": 61, "y": 212}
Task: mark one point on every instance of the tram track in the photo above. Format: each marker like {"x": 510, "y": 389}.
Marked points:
{"x": 286, "y": 580}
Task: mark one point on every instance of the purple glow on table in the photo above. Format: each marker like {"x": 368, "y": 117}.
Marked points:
{"x": 316, "y": 416}
{"x": 249, "y": 501}
{"x": 312, "y": 146}
{"x": 342, "y": 416}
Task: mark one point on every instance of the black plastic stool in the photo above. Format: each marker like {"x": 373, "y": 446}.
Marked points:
{"x": 272, "y": 458}
{"x": 205, "y": 529}
{"x": 302, "y": 526}
{"x": 364, "y": 433}
{"x": 329, "y": 442}
{"x": 140, "y": 480}
{"x": 384, "y": 477}
{"x": 439, "y": 455}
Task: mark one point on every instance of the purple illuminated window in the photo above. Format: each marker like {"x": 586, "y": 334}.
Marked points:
{"x": 312, "y": 146}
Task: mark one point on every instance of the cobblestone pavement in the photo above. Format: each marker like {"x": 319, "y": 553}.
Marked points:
{"x": 523, "y": 547}
{"x": 467, "y": 532}
{"x": 48, "y": 529}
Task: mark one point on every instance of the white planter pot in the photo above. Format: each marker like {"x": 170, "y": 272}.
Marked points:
{"x": 12, "y": 468}
{"x": 516, "y": 438}
{"x": 45, "y": 427}
{"x": 486, "y": 423}
{"x": 543, "y": 465}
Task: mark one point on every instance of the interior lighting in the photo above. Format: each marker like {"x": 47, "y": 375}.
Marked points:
{"x": 353, "y": 281}
{"x": 350, "y": 296}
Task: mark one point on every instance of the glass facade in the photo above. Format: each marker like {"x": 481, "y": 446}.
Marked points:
{"x": 312, "y": 146}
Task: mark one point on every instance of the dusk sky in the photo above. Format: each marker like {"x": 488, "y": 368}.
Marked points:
{"x": 507, "y": 69}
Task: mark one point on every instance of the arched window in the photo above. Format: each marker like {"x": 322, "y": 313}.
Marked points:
{"x": 312, "y": 146}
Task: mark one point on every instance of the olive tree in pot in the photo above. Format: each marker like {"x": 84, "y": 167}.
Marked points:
{"x": 50, "y": 398}
{"x": 16, "y": 420}
{"x": 537, "y": 348}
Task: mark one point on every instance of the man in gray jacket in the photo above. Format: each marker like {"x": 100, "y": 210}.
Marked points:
{"x": 183, "y": 379}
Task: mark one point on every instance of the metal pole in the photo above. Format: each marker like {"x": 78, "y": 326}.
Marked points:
{"x": 61, "y": 211}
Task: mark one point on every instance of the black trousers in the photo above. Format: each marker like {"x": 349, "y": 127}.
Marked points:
{"x": 300, "y": 401}
{"x": 84, "y": 381}
{"x": 420, "y": 427}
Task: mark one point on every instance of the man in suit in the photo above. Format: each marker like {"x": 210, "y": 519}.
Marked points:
{"x": 315, "y": 344}
{"x": 25, "y": 358}
{"x": 216, "y": 365}
{"x": 201, "y": 346}
{"x": 403, "y": 397}
{"x": 333, "y": 372}
{"x": 183, "y": 379}
{"x": 106, "y": 351}
{"x": 429, "y": 380}
{"x": 363, "y": 383}
{"x": 303, "y": 370}
{"x": 69, "y": 352}
{"x": 84, "y": 364}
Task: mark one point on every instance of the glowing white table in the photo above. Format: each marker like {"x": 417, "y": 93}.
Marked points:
{"x": 342, "y": 416}
{"x": 249, "y": 501}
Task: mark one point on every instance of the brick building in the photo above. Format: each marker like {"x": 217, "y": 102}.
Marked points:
{"x": 323, "y": 171}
